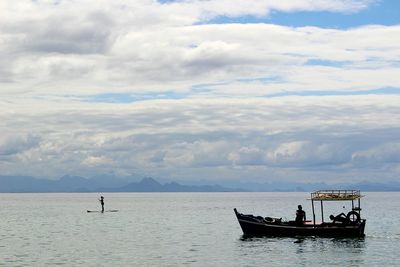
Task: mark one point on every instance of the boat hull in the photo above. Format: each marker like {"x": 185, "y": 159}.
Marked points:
{"x": 256, "y": 226}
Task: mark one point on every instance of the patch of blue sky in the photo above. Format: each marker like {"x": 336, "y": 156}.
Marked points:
{"x": 125, "y": 98}
{"x": 206, "y": 87}
{"x": 330, "y": 63}
{"x": 270, "y": 79}
{"x": 201, "y": 88}
{"x": 379, "y": 91}
{"x": 380, "y": 13}
{"x": 210, "y": 87}
{"x": 129, "y": 98}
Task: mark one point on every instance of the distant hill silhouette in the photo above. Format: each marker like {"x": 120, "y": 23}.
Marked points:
{"x": 27, "y": 184}
{"x": 151, "y": 185}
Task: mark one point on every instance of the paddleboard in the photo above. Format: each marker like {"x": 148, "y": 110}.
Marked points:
{"x": 100, "y": 211}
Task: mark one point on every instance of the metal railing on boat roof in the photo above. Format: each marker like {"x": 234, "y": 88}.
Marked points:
{"x": 332, "y": 195}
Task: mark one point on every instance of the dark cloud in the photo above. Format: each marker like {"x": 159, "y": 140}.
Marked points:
{"x": 12, "y": 145}
{"x": 67, "y": 34}
{"x": 253, "y": 137}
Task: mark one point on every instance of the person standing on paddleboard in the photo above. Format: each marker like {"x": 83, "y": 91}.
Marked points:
{"x": 102, "y": 203}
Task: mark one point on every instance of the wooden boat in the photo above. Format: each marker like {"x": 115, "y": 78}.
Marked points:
{"x": 351, "y": 225}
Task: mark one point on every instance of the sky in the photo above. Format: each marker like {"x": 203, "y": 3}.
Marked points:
{"x": 212, "y": 90}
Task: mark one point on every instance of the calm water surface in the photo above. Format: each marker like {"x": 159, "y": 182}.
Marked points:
{"x": 183, "y": 229}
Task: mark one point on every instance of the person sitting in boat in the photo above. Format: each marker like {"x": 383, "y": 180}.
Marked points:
{"x": 300, "y": 215}
{"x": 339, "y": 218}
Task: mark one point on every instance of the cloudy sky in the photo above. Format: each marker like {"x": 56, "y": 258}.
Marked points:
{"x": 245, "y": 90}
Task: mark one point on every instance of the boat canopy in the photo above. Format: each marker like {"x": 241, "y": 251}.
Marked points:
{"x": 336, "y": 195}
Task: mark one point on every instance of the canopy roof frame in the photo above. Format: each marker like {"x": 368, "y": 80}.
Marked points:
{"x": 335, "y": 195}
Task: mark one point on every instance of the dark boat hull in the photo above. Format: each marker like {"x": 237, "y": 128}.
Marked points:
{"x": 256, "y": 226}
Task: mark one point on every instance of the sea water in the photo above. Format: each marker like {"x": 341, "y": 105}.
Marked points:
{"x": 184, "y": 229}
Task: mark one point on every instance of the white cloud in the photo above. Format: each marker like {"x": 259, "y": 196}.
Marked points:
{"x": 200, "y": 138}
{"x": 209, "y": 9}
{"x": 288, "y": 152}
{"x": 56, "y": 56}
{"x": 387, "y": 152}
{"x": 53, "y": 48}
{"x": 96, "y": 161}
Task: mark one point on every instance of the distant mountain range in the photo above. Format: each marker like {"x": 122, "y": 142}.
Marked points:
{"x": 21, "y": 184}
{"x": 27, "y": 184}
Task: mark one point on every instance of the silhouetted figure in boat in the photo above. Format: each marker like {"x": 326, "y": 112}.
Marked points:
{"x": 300, "y": 215}
{"x": 339, "y": 218}
{"x": 102, "y": 203}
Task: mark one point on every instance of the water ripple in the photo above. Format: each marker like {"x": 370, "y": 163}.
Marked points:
{"x": 180, "y": 229}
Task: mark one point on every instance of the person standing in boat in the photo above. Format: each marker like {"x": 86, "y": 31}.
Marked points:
{"x": 102, "y": 203}
{"x": 300, "y": 215}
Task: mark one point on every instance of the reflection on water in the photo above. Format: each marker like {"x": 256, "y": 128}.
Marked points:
{"x": 305, "y": 251}
{"x": 299, "y": 240}
{"x": 349, "y": 242}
